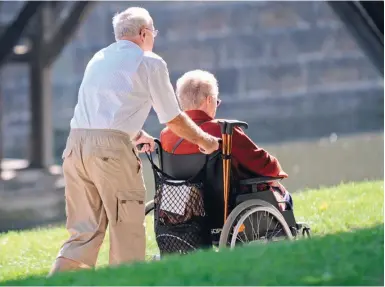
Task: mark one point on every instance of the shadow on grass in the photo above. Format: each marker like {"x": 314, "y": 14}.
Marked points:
{"x": 352, "y": 258}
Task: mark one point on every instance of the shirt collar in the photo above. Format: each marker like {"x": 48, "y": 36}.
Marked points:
{"x": 128, "y": 43}
{"x": 198, "y": 115}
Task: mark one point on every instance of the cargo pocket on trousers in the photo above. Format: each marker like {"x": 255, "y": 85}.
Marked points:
{"x": 129, "y": 209}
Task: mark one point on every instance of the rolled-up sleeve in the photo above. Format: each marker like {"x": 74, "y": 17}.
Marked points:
{"x": 162, "y": 94}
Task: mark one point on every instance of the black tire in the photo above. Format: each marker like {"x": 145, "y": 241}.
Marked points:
{"x": 243, "y": 208}
{"x": 149, "y": 207}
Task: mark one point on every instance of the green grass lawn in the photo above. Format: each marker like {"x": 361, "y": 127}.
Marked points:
{"x": 340, "y": 258}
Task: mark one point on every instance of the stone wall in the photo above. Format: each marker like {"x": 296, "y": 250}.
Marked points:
{"x": 288, "y": 68}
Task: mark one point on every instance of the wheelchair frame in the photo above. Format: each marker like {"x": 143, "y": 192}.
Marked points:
{"x": 244, "y": 203}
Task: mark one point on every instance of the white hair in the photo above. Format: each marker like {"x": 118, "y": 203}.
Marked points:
{"x": 194, "y": 87}
{"x": 130, "y": 21}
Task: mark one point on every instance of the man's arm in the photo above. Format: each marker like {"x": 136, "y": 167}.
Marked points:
{"x": 185, "y": 128}
{"x": 167, "y": 108}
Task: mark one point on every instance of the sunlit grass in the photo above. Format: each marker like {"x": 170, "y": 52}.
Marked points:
{"x": 331, "y": 210}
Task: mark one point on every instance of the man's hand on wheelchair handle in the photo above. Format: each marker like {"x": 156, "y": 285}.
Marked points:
{"x": 145, "y": 141}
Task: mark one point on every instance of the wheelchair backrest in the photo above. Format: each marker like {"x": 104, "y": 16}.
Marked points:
{"x": 186, "y": 166}
{"x": 182, "y": 166}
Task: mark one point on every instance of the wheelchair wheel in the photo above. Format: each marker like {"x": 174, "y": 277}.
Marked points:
{"x": 149, "y": 207}
{"x": 152, "y": 251}
{"x": 254, "y": 221}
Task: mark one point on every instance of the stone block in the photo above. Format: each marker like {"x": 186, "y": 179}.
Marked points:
{"x": 227, "y": 80}
{"x": 343, "y": 40}
{"x": 194, "y": 21}
{"x": 285, "y": 14}
{"x": 283, "y": 78}
{"x": 189, "y": 55}
{"x": 214, "y": 19}
{"x": 238, "y": 49}
{"x": 302, "y": 43}
{"x": 299, "y": 42}
{"x": 177, "y": 26}
{"x": 323, "y": 14}
{"x": 244, "y": 16}
{"x": 340, "y": 70}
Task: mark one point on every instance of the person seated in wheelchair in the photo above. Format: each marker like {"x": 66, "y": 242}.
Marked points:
{"x": 197, "y": 92}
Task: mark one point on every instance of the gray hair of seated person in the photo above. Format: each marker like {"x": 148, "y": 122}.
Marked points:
{"x": 129, "y": 22}
{"x": 194, "y": 87}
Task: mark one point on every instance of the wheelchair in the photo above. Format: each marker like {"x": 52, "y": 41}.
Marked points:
{"x": 229, "y": 213}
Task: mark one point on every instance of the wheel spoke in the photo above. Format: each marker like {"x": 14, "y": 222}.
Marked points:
{"x": 240, "y": 239}
{"x": 267, "y": 229}
{"x": 252, "y": 226}
{"x": 279, "y": 230}
{"x": 259, "y": 221}
{"x": 272, "y": 221}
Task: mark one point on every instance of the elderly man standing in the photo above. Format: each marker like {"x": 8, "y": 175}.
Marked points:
{"x": 102, "y": 170}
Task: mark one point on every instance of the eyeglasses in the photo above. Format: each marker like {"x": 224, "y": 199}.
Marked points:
{"x": 219, "y": 102}
{"x": 154, "y": 32}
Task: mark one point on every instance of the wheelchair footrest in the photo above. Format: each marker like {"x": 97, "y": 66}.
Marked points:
{"x": 303, "y": 228}
{"x": 301, "y": 225}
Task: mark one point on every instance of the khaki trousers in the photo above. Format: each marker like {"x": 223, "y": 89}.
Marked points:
{"x": 103, "y": 185}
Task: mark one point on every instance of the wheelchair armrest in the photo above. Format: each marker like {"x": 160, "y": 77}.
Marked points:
{"x": 257, "y": 180}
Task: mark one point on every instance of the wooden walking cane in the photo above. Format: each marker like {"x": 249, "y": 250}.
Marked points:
{"x": 225, "y": 159}
{"x": 227, "y": 141}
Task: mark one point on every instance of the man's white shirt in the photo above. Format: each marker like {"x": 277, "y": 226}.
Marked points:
{"x": 120, "y": 84}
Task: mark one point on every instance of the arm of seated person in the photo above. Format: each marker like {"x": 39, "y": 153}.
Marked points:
{"x": 253, "y": 158}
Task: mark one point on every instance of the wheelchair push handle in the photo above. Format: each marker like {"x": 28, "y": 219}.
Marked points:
{"x": 140, "y": 146}
{"x": 227, "y": 126}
